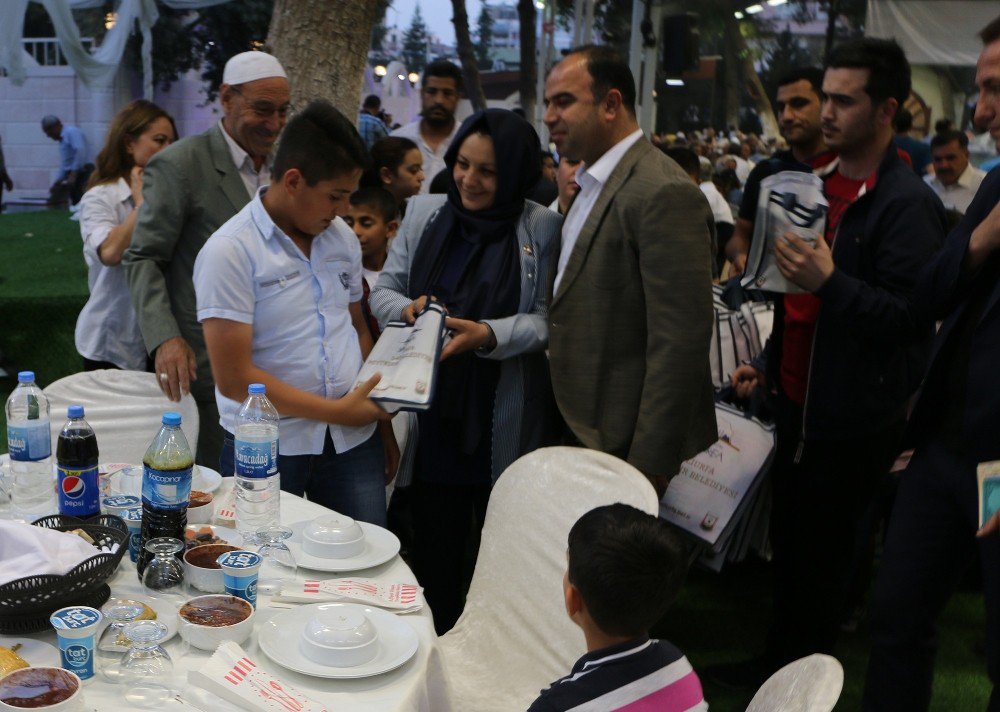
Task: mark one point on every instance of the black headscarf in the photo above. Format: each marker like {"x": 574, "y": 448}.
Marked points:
{"x": 470, "y": 261}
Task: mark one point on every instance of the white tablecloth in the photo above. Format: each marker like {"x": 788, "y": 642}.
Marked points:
{"x": 405, "y": 688}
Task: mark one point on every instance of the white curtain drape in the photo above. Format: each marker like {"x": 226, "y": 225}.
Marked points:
{"x": 97, "y": 69}
{"x": 942, "y": 32}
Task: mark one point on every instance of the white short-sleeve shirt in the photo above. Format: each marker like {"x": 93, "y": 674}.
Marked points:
{"x": 251, "y": 272}
{"x": 107, "y": 328}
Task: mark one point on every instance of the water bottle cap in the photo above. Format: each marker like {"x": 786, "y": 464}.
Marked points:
{"x": 171, "y": 418}
{"x": 26, "y": 377}
{"x": 257, "y": 389}
{"x": 74, "y": 411}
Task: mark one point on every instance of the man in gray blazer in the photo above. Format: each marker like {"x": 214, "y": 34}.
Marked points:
{"x": 190, "y": 189}
{"x": 631, "y": 312}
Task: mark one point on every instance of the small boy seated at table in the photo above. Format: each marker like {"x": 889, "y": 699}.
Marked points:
{"x": 372, "y": 214}
{"x": 625, "y": 569}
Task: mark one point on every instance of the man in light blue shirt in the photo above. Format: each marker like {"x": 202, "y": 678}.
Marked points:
{"x": 279, "y": 297}
{"x": 73, "y": 167}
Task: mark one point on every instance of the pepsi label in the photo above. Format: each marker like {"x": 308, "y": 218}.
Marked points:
{"x": 79, "y": 492}
{"x": 29, "y": 443}
{"x": 166, "y": 489}
{"x": 256, "y": 459}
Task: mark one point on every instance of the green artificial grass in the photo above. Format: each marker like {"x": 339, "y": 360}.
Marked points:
{"x": 717, "y": 618}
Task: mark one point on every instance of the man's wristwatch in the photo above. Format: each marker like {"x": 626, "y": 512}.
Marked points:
{"x": 491, "y": 342}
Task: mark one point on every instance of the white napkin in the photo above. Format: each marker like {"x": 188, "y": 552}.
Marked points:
{"x": 234, "y": 677}
{"x": 402, "y": 597}
{"x": 27, "y": 550}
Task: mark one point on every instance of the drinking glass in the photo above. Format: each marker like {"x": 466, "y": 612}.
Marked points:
{"x": 147, "y": 672}
{"x": 164, "y": 574}
{"x": 113, "y": 643}
{"x": 278, "y": 565}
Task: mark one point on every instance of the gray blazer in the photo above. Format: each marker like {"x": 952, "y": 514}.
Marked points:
{"x": 189, "y": 190}
{"x": 629, "y": 328}
{"x": 520, "y": 418}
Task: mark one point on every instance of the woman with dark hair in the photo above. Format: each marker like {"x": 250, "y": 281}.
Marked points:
{"x": 107, "y": 331}
{"x": 482, "y": 250}
{"x": 397, "y": 166}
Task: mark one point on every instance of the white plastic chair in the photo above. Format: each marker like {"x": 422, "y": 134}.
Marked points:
{"x": 514, "y": 637}
{"x": 810, "y": 684}
{"x": 123, "y": 407}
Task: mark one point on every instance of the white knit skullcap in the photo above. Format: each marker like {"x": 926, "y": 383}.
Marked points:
{"x": 250, "y": 66}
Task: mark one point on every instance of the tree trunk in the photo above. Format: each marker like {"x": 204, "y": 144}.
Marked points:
{"x": 755, "y": 88}
{"x": 831, "y": 28}
{"x": 323, "y": 47}
{"x": 731, "y": 73}
{"x": 529, "y": 58}
{"x": 470, "y": 68}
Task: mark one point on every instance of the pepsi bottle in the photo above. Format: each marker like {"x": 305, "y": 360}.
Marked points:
{"x": 76, "y": 463}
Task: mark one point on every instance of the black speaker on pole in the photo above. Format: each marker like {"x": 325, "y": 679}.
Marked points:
{"x": 680, "y": 43}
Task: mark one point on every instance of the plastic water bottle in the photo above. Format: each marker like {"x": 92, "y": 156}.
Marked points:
{"x": 166, "y": 486}
{"x": 29, "y": 443}
{"x": 76, "y": 462}
{"x": 258, "y": 483}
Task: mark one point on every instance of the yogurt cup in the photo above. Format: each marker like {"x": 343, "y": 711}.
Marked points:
{"x": 118, "y": 503}
{"x": 239, "y": 574}
{"x": 133, "y": 520}
{"x": 76, "y": 628}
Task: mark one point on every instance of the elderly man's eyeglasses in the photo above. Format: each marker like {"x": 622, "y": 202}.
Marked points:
{"x": 265, "y": 109}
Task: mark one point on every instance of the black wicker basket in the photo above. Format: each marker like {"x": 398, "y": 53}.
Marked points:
{"x": 27, "y": 603}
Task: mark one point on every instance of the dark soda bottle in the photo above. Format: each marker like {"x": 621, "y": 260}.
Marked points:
{"x": 76, "y": 462}
{"x": 166, "y": 487}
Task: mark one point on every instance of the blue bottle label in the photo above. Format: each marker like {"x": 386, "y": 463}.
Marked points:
{"x": 256, "y": 460}
{"x": 166, "y": 489}
{"x": 79, "y": 491}
{"x": 29, "y": 443}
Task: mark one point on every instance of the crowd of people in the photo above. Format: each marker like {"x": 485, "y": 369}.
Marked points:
{"x": 577, "y": 287}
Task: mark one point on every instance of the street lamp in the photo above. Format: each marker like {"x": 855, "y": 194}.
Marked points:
{"x": 380, "y": 70}
{"x": 413, "y": 77}
{"x": 109, "y": 20}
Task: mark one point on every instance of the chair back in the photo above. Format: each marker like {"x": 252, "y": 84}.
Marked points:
{"x": 123, "y": 407}
{"x": 810, "y": 684}
{"x": 514, "y": 637}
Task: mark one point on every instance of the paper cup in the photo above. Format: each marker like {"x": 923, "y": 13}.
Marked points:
{"x": 118, "y": 503}
{"x": 239, "y": 574}
{"x": 76, "y": 628}
{"x": 133, "y": 520}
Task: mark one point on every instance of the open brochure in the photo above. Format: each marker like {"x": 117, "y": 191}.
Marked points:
{"x": 407, "y": 356}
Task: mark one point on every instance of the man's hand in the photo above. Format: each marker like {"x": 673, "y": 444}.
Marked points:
{"x": 411, "y": 310}
{"x": 466, "y": 336}
{"x": 992, "y": 524}
{"x": 391, "y": 448}
{"x": 357, "y": 409}
{"x": 738, "y": 265}
{"x": 745, "y": 379}
{"x": 176, "y": 367}
{"x": 985, "y": 240}
{"x": 807, "y": 265}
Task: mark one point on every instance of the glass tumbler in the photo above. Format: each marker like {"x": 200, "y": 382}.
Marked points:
{"x": 164, "y": 574}
{"x": 113, "y": 643}
{"x": 278, "y": 565}
{"x": 147, "y": 672}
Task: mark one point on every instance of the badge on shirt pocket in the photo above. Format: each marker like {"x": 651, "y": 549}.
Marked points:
{"x": 340, "y": 270}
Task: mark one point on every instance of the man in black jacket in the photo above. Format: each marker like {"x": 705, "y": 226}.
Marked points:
{"x": 845, "y": 357}
{"x": 953, "y": 428}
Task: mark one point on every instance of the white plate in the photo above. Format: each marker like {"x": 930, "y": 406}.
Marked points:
{"x": 205, "y": 479}
{"x": 35, "y": 652}
{"x": 227, "y": 534}
{"x": 380, "y": 546}
{"x": 279, "y": 638}
{"x": 166, "y": 613}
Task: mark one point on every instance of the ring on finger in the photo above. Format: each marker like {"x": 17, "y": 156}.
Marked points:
{"x": 164, "y": 377}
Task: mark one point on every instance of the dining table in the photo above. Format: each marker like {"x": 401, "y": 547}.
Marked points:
{"x": 415, "y": 685}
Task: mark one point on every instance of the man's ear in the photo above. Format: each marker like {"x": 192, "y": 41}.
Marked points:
{"x": 385, "y": 175}
{"x": 293, "y": 181}
{"x": 572, "y": 598}
{"x": 391, "y": 227}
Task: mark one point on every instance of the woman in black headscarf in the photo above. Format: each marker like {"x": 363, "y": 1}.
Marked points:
{"x": 483, "y": 252}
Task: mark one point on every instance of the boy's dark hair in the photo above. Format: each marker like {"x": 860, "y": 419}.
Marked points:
{"x": 378, "y": 199}
{"x": 903, "y": 121}
{"x": 990, "y": 33}
{"x": 686, "y": 159}
{"x": 609, "y": 70}
{"x": 813, "y": 75}
{"x": 942, "y": 126}
{"x": 628, "y": 567}
{"x": 945, "y": 137}
{"x": 444, "y": 69}
{"x": 372, "y": 101}
{"x": 321, "y": 143}
{"x": 888, "y": 68}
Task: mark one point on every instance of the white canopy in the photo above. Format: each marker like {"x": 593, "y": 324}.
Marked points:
{"x": 942, "y": 32}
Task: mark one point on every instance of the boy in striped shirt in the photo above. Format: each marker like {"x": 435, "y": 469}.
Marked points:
{"x": 625, "y": 569}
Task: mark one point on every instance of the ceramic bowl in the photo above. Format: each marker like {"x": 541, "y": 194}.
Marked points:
{"x": 201, "y": 570}
{"x": 201, "y": 508}
{"x": 340, "y": 637}
{"x": 41, "y": 680}
{"x": 206, "y": 621}
{"x": 333, "y": 536}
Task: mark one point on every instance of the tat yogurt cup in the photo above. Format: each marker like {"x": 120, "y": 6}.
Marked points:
{"x": 118, "y": 503}
{"x": 239, "y": 574}
{"x": 133, "y": 520}
{"x": 76, "y": 628}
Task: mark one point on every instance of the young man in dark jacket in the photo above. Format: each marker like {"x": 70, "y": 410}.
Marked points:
{"x": 846, "y": 356}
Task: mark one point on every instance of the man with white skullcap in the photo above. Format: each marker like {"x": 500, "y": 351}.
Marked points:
{"x": 190, "y": 189}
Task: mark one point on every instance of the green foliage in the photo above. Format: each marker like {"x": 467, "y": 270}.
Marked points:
{"x": 379, "y": 30}
{"x": 415, "y": 41}
{"x": 484, "y": 38}
{"x": 785, "y": 54}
